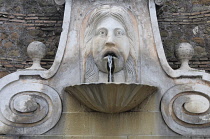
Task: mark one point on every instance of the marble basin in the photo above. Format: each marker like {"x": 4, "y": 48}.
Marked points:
{"x": 111, "y": 97}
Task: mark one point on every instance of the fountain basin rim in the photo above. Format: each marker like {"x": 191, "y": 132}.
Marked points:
{"x": 111, "y": 97}
{"x": 109, "y": 83}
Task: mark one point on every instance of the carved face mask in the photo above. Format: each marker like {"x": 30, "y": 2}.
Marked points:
{"x": 110, "y": 39}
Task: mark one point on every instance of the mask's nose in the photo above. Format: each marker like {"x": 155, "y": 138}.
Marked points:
{"x": 110, "y": 39}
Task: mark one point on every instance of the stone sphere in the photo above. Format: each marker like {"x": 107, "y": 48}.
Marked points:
{"x": 60, "y": 2}
{"x": 36, "y": 50}
{"x": 184, "y": 51}
{"x": 159, "y": 2}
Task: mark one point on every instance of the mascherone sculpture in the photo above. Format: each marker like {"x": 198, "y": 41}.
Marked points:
{"x": 109, "y": 33}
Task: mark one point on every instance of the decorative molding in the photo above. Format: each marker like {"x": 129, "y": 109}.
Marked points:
{"x": 185, "y": 109}
{"x": 62, "y": 43}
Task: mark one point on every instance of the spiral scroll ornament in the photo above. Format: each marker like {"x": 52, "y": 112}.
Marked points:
{"x": 28, "y": 108}
{"x": 185, "y": 109}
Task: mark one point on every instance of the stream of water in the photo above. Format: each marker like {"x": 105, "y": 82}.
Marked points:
{"x": 110, "y": 67}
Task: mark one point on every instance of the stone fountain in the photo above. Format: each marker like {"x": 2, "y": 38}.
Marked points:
{"x": 110, "y": 65}
{"x": 110, "y": 60}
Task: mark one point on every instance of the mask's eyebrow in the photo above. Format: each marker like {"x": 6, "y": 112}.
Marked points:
{"x": 120, "y": 29}
{"x": 100, "y": 28}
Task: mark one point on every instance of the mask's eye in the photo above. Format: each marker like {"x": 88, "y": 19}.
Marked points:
{"x": 119, "y": 32}
{"x": 102, "y": 32}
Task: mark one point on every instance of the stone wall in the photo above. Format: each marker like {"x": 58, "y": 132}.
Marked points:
{"x": 186, "y": 21}
{"x": 24, "y": 21}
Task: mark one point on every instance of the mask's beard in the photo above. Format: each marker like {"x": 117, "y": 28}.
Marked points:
{"x": 91, "y": 70}
{"x": 130, "y": 70}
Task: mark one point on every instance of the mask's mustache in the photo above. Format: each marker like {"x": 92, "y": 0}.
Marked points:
{"x": 110, "y": 54}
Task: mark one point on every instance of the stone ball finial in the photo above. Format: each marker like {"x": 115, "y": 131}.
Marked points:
{"x": 36, "y": 51}
{"x": 60, "y": 2}
{"x": 184, "y": 52}
{"x": 159, "y": 2}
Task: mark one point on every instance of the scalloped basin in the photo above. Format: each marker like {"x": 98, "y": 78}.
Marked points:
{"x": 111, "y": 97}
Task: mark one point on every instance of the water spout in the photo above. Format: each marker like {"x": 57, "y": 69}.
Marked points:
{"x": 110, "y": 68}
